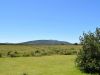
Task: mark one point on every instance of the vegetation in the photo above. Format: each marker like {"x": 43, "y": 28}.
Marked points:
{"x": 88, "y": 59}
{"x": 24, "y": 74}
{"x": 46, "y": 65}
{"x": 37, "y": 50}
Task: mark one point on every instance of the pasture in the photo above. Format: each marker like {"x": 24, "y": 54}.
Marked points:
{"x": 46, "y": 65}
{"x": 38, "y": 60}
{"x": 37, "y": 50}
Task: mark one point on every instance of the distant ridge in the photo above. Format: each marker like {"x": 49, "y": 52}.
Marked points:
{"x": 46, "y": 42}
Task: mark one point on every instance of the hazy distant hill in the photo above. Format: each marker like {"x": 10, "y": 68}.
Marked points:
{"x": 46, "y": 42}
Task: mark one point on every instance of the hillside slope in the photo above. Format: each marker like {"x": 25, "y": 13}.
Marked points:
{"x": 46, "y": 42}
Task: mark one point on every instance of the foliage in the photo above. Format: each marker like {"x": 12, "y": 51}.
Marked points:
{"x": 88, "y": 59}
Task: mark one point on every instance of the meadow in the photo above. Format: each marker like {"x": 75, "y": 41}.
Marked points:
{"x": 37, "y": 50}
{"x": 39, "y": 60}
{"x": 46, "y": 65}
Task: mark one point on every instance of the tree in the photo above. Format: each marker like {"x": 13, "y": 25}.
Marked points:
{"x": 88, "y": 59}
{"x": 75, "y": 44}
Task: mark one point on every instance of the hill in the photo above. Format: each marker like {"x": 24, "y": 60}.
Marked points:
{"x": 46, "y": 42}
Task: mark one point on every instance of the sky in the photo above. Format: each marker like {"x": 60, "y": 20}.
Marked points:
{"x": 64, "y": 20}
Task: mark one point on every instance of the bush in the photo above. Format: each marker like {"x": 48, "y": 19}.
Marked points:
{"x": 0, "y": 55}
{"x": 26, "y": 54}
{"x": 88, "y": 59}
{"x": 75, "y": 43}
{"x": 24, "y": 74}
{"x": 13, "y": 54}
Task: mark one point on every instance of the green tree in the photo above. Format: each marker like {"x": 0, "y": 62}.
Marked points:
{"x": 88, "y": 59}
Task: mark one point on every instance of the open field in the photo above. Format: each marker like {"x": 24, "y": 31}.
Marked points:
{"x": 37, "y": 50}
{"x": 35, "y": 47}
{"x": 46, "y": 65}
{"x": 61, "y": 61}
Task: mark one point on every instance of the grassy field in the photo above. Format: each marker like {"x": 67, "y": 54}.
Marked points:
{"x": 45, "y": 65}
{"x": 37, "y": 50}
{"x": 4, "y": 48}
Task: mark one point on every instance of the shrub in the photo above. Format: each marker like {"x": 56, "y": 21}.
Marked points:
{"x": 24, "y": 74}
{"x": 26, "y": 54}
{"x": 75, "y": 43}
{"x": 88, "y": 59}
{"x": 13, "y": 54}
{"x": 0, "y": 54}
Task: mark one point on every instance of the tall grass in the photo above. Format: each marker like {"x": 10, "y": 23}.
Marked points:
{"x": 37, "y": 50}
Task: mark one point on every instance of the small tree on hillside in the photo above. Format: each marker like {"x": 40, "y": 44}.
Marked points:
{"x": 88, "y": 59}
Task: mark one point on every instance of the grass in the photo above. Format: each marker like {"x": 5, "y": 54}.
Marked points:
{"x": 27, "y": 48}
{"x": 37, "y": 50}
{"x": 45, "y": 65}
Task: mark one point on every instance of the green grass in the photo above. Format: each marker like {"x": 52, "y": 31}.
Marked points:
{"x": 45, "y": 65}
{"x": 27, "y": 48}
{"x": 31, "y": 50}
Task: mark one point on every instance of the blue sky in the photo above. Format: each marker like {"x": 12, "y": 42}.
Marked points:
{"x": 25, "y": 20}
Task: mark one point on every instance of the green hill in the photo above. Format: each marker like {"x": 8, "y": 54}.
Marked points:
{"x": 46, "y": 42}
